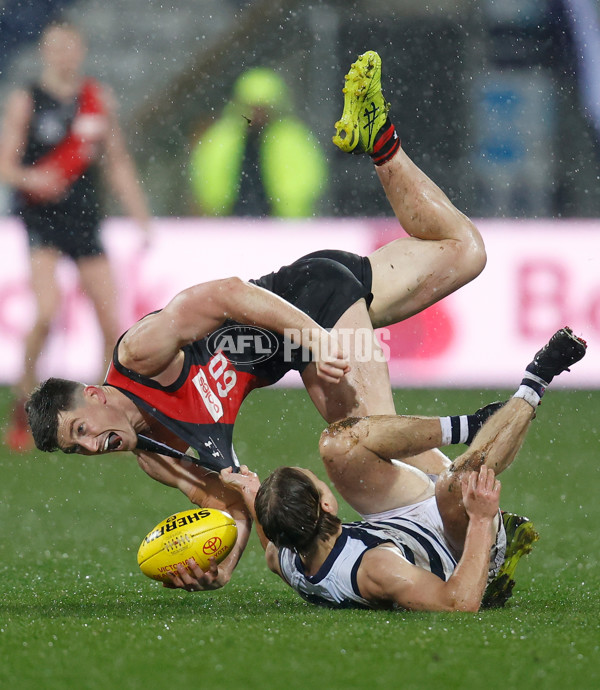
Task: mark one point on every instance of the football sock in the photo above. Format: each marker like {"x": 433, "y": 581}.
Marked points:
{"x": 386, "y": 143}
{"x": 459, "y": 428}
{"x": 532, "y": 389}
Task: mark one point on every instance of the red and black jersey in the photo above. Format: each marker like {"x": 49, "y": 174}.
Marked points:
{"x": 221, "y": 369}
{"x": 50, "y": 138}
{"x": 201, "y": 406}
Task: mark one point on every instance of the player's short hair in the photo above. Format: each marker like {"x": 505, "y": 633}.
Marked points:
{"x": 43, "y": 407}
{"x": 288, "y": 508}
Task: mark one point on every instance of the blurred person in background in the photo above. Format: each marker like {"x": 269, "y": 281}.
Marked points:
{"x": 258, "y": 159}
{"x": 57, "y": 134}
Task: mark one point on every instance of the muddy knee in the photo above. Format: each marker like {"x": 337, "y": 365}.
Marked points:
{"x": 339, "y": 439}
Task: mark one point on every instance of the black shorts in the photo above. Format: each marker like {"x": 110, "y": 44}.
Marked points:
{"x": 323, "y": 285}
{"x": 75, "y": 237}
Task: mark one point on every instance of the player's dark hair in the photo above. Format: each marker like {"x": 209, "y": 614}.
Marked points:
{"x": 288, "y": 508}
{"x": 43, "y": 407}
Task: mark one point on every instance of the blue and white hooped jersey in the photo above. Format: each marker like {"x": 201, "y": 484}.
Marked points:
{"x": 335, "y": 585}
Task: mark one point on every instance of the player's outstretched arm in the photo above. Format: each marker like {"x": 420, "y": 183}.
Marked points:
{"x": 247, "y": 484}
{"x": 194, "y": 579}
{"x": 386, "y": 577}
{"x": 152, "y": 344}
{"x": 204, "y": 489}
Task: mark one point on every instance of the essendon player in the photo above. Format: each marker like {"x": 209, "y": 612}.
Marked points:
{"x": 179, "y": 375}
{"x": 55, "y": 135}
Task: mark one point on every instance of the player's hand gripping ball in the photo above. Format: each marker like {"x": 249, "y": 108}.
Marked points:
{"x": 202, "y": 534}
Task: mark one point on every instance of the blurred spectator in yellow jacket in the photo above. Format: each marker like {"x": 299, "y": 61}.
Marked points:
{"x": 258, "y": 159}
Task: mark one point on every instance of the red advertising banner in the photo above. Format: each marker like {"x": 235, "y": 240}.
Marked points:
{"x": 540, "y": 276}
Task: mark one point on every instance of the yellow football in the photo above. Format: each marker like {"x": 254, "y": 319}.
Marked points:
{"x": 202, "y": 534}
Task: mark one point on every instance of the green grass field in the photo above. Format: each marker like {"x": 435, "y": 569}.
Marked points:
{"x": 75, "y": 611}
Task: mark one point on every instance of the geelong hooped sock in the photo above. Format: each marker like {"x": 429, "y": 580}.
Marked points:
{"x": 456, "y": 429}
{"x": 386, "y": 143}
{"x": 532, "y": 389}
{"x": 463, "y": 428}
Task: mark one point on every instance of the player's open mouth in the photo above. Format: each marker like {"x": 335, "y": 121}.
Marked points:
{"x": 113, "y": 442}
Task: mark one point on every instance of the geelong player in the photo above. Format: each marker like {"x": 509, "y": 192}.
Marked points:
{"x": 421, "y": 546}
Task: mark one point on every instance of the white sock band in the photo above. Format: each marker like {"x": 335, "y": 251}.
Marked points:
{"x": 455, "y": 429}
{"x": 446, "y": 431}
{"x": 536, "y": 379}
{"x": 529, "y": 395}
{"x": 464, "y": 428}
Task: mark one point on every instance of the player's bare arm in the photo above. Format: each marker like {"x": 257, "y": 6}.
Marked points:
{"x": 17, "y": 116}
{"x": 247, "y": 484}
{"x": 152, "y": 345}
{"x": 386, "y": 578}
{"x": 204, "y": 489}
{"x": 42, "y": 184}
{"x": 272, "y": 558}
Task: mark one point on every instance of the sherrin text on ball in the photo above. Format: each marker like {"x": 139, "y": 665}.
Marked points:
{"x": 201, "y": 533}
